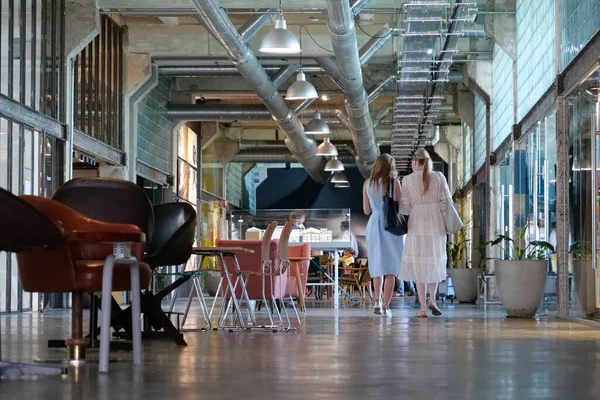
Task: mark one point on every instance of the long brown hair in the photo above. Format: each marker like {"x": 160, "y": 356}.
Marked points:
{"x": 421, "y": 156}
{"x": 384, "y": 171}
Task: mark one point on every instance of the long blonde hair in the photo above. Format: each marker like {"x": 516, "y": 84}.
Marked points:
{"x": 421, "y": 156}
{"x": 384, "y": 171}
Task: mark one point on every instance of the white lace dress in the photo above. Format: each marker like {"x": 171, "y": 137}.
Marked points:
{"x": 424, "y": 257}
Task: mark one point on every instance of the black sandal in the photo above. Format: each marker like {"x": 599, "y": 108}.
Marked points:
{"x": 434, "y": 309}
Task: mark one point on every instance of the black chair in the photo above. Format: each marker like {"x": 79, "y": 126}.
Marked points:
{"x": 171, "y": 245}
{"x": 107, "y": 200}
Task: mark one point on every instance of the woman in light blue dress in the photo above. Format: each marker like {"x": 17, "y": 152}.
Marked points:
{"x": 385, "y": 248}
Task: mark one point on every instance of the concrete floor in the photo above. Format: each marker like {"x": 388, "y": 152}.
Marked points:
{"x": 349, "y": 353}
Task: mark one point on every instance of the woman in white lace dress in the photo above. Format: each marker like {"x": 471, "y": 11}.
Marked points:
{"x": 424, "y": 257}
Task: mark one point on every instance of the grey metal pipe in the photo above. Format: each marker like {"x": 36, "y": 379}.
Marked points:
{"x": 303, "y": 106}
{"x": 251, "y": 158}
{"x": 219, "y": 70}
{"x": 379, "y": 88}
{"x": 231, "y": 112}
{"x": 359, "y": 5}
{"x": 224, "y": 31}
{"x": 374, "y": 44}
{"x": 349, "y": 75}
{"x": 381, "y": 115}
{"x": 256, "y": 23}
{"x": 283, "y": 74}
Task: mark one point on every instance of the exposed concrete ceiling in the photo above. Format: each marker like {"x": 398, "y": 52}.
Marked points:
{"x": 170, "y": 32}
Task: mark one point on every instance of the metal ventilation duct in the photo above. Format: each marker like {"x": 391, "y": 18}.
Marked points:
{"x": 272, "y": 158}
{"x": 346, "y": 71}
{"x": 244, "y": 112}
{"x": 242, "y": 57}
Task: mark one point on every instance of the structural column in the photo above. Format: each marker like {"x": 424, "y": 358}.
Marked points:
{"x": 562, "y": 206}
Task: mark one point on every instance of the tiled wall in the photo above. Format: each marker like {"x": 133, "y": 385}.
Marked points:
{"x": 155, "y": 131}
{"x": 535, "y": 52}
{"x": 502, "y": 98}
{"x": 580, "y": 20}
{"x": 480, "y": 133}
{"x": 467, "y": 147}
{"x": 234, "y": 184}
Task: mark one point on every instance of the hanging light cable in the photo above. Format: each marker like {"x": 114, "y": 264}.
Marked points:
{"x": 280, "y": 40}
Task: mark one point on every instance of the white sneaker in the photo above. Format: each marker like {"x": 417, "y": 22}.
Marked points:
{"x": 377, "y": 309}
{"x": 386, "y": 313}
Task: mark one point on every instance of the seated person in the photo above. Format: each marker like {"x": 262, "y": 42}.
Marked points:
{"x": 346, "y": 260}
{"x": 348, "y": 236}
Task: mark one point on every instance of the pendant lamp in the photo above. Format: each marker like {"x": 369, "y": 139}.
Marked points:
{"x": 317, "y": 126}
{"x": 280, "y": 40}
{"x": 326, "y": 148}
{"x": 334, "y": 165}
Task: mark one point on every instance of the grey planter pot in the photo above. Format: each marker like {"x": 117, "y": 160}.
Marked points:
{"x": 585, "y": 286}
{"x": 464, "y": 282}
{"x": 211, "y": 283}
{"x": 521, "y": 285}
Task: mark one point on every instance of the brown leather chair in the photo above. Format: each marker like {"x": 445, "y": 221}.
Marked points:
{"x": 60, "y": 250}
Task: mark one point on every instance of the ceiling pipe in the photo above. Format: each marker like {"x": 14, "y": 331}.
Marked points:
{"x": 256, "y": 23}
{"x": 380, "y": 87}
{"x": 374, "y": 44}
{"x": 233, "y": 112}
{"x": 283, "y": 74}
{"x": 303, "y": 106}
{"x": 224, "y": 31}
{"x": 349, "y": 75}
{"x": 381, "y": 115}
{"x": 432, "y": 141}
{"x": 358, "y": 6}
{"x": 273, "y": 158}
{"x": 219, "y": 70}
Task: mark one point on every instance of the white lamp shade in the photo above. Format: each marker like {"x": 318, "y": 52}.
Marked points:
{"x": 280, "y": 40}
{"x": 326, "y": 148}
{"x": 334, "y": 165}
{"x": 339, "y": 177}
{"x": 342, "y": 185}
{"x": 317, "y": 126}
{"x": 301, "y": 89}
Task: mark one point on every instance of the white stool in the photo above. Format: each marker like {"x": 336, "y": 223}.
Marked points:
{"x": 121, "y": 255}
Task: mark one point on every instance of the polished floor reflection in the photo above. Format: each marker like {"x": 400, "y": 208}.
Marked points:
{"x": 349, "y": 353}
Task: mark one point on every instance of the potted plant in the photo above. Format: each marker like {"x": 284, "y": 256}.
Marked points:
{"x": 464, "y": 279}
{"x": 521, "y": 278}
{"x": 584, "y": 276}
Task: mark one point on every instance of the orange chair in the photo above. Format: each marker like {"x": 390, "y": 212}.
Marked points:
{"x": 60, "y": 250}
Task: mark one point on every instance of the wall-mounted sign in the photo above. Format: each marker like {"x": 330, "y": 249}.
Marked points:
{"x": 186, "y": 182}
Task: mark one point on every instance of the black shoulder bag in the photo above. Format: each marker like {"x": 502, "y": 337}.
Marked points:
{"x": 394, "y": 222}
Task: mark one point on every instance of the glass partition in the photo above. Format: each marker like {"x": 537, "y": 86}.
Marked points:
{"x": 316, "y": 225}
{"x": 583, "y": 111}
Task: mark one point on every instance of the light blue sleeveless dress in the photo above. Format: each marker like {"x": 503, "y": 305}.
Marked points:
{"x": 385, "y": 248}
